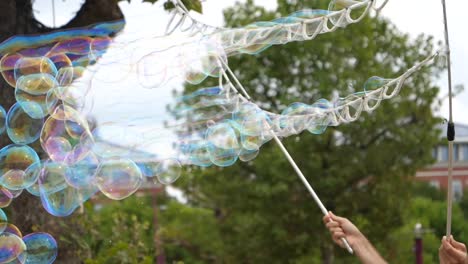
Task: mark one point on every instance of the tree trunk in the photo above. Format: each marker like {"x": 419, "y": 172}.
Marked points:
{"x": 327, "y": 250}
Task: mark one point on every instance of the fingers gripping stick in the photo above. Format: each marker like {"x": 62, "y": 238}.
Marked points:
{"x": 343, "y": 239}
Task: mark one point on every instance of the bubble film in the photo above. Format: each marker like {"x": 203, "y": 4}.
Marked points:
{"x": 2, "y": 120}
{"x": 12, "y": 248}
{"x": 41, "y": 248}
{"x": 21, "y": 127}
{"x": 107, "y": 106}
{"x": 32, "y": 248}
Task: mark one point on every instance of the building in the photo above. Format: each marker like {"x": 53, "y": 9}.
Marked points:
{"x": 436, "y": 174}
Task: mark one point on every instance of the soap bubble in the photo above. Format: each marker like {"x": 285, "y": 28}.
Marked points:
{"x": 168, "y": 171}
{"x": 21, "y": 127}
{"x": 12, "y": 247}
{"x": 16, "y": 159}
{"x": 41, "y": 248}
{"x": 118, "y": 178}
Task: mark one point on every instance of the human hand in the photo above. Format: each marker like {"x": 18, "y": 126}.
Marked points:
{"x": 452, "y": 252}
{"x": 341, "y": 227}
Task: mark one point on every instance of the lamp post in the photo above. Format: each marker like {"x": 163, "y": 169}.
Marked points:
{"x": 418, "y": 246}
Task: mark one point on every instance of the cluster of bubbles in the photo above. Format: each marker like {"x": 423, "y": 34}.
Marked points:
{"x": 256, "y": 37}
{"x": 44, "y": 71}
{"x": 226, "y": 127}
{"x": 34, "y": 248}
{"x": 202, "y": 58}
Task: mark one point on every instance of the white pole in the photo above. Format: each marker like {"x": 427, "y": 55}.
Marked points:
{"x": 289, "y": 158}
{"x": 450, "y": 127}
{"x": 53, "y": 13}
{"x": 307, "y": 185}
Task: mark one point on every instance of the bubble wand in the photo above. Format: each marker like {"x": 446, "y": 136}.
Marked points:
{"x": 285, "y": 151}
{"x": 450, "y": 126}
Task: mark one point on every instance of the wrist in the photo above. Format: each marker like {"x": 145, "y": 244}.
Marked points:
{"x": 360, "y": 244}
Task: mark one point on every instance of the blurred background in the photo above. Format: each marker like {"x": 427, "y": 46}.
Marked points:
{"x": 385, "y": 172}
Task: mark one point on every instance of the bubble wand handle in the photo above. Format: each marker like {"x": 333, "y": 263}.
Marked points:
{"x": 285, "y": 152}
{"x": 450, "y": 126}
{"x": 307, "y": 185}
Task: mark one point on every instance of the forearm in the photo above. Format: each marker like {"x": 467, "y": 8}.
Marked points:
{"x": 366, "y": 252}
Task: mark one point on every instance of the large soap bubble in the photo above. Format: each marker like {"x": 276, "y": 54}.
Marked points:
{"x": 118, "y": 178}
{"x": 41, "y": 248}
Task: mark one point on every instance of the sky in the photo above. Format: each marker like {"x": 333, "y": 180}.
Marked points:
{"x": 413, "y": 17}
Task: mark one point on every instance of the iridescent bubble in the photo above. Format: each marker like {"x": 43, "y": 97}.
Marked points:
{"x": 320, "y": 124}
{"x": 34, "y": 189}
{"x": 293, "y": 117}
{"x": 41, "y": 248}
{"x": 310, "y": 13}
{"x": 223, "y": 144}
{"x": 374, "y": 83}
{"x": 66, "y": 136}
{"x": 67, "y": 75}
{"x": 148, "y": 168}
{"x": 12, "y": 193}
{"x": 37, "y": 106}
{"x": 60, "y": 60}
{"x": 31, "y": 65}
{"x": 37, "y": 83}
{"x": 58, "y": 147}
{"x": 11, "y": 229}
{"x": 198, "y": 154}
{"x": 82, "y": 173}
{"x": 5, "y": 197}
{"x": 194, "y": 77}
{"x": 251, "y": 120}
{"x": 52, "y": 177}
{"x": 75, "y": 46}
{"x": 61, "y": 202}
{"x": 212, "y": 61}
{"x": 16, "y": 158}
{"x": 312, "y": 25}
{"x": 7, "y": 67}
{"x": 248, "y": 155}
{"x": 118, "y": 178}
{"x": 64, "y": 202}
{"x": 2, "y": 120}
{"x": 21, "y": 127}
{"x": 168, "y": 171}
{"x": 3, "y": 217}
{"x": 19, "y": 180}
{"x": 252, "y": 143}
{"x": 12, "y": 247}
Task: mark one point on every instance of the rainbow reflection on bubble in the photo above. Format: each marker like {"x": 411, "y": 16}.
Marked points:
{"x": 37, "y": 248}
{"x": 40, "y": 248}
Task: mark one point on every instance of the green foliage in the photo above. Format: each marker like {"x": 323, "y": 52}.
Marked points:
{"x": 120, "y": 232}
{"x": 189, "y": 234}
{"x": 432, "y": 215}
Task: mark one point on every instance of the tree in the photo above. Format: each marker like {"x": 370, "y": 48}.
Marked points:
{"x": 17, "y": 18}
{"x": 360, "y": 170}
